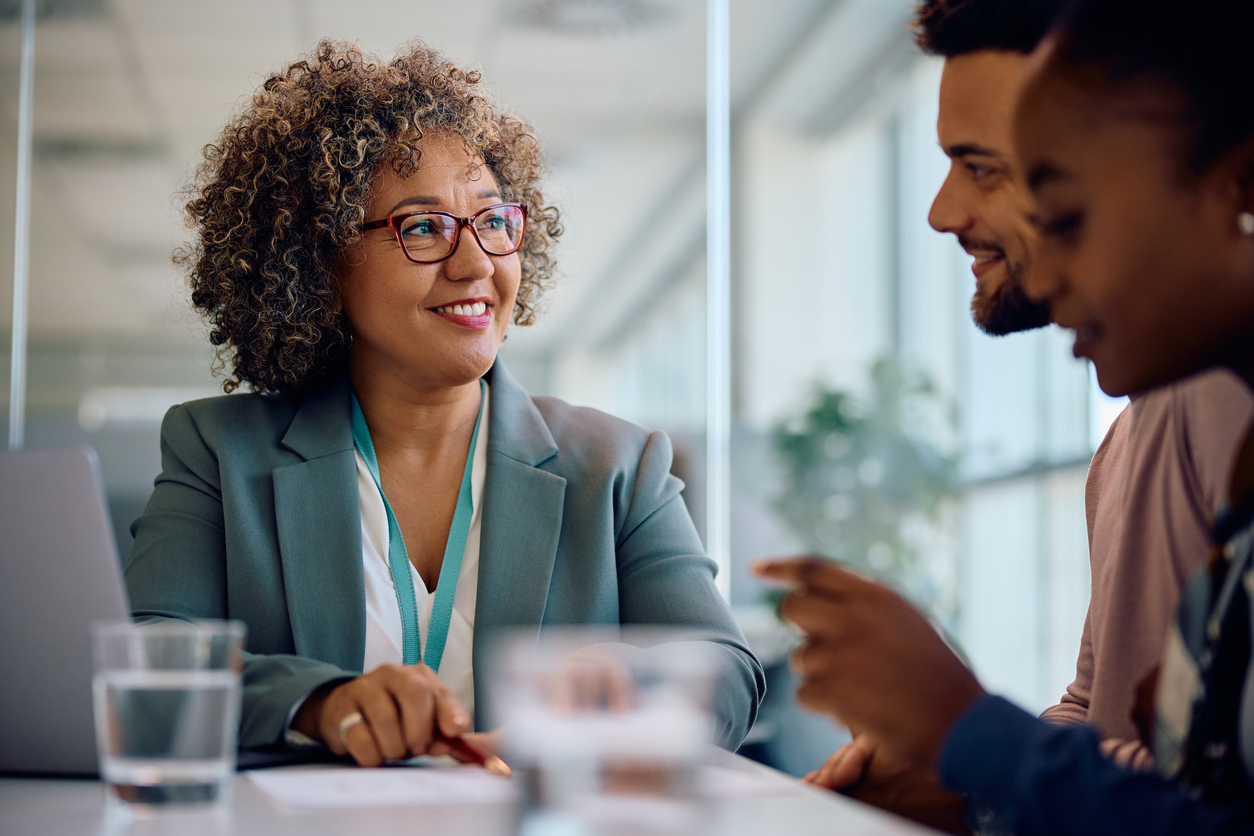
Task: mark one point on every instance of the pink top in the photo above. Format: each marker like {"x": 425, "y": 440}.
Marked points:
{"x": 1150, "y": 497}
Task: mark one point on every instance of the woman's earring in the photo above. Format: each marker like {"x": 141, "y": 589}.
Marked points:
{"x": 1245, "y": 222}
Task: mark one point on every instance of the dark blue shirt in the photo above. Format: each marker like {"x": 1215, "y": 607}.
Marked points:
{"x": 1046, "y": 780}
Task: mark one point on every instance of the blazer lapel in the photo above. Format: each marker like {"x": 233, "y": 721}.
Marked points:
{"x": 319, "y": 527}
{"x": 522, "y": 524}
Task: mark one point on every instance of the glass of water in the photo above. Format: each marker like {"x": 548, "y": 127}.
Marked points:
{"x": 606, "y": 729}
{"x": 166, "y": 699}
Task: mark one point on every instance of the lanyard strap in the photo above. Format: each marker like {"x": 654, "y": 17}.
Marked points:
{"x": 398, "y": 557}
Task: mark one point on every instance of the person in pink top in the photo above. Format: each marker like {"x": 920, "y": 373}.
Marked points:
{"x": 1151, "y": 496}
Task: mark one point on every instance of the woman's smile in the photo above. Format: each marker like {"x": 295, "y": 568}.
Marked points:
{"x": 466, "y": 313}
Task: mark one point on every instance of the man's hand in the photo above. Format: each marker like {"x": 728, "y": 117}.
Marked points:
{"x": 1132, "y": 755}
{"x": 871, "y": 660}
{"x": 391, "y": 713}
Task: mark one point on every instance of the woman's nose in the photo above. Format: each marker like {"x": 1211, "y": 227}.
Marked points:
{"x": 468, "y": 260}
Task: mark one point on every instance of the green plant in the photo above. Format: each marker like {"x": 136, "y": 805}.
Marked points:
{"x": 864, "y": 484}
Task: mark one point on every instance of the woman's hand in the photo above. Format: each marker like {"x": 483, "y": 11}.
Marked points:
{"x": 872, "y": 775}
{"x": 844, "y": 768}
{"x": 487, "y": 744}
{"x": 403, "y": 710}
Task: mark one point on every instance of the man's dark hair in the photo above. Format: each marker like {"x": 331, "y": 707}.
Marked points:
{"x": 950, "y": 28}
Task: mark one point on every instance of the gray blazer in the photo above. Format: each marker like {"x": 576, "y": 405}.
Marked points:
{"x": 255, "y": 516}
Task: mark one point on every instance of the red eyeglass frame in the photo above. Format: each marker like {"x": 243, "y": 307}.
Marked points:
{"x": 394, "y": 222}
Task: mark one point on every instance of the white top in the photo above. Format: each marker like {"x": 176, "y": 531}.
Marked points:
{"x": 383, "y": 615}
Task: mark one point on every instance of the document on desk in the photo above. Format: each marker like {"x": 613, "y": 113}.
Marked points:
{"x": 388, "y": 787}
{"x": 722, "y": 782}
{"x": 328, "y": 788}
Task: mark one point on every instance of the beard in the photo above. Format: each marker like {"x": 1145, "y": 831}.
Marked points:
{"x": 1009, "y": 310}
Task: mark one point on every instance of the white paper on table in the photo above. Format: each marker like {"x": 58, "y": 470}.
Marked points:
{"x": 399, "y": 787}
{"x": 721, "y": 782}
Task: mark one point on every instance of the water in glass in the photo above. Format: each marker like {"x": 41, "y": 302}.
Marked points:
{"x": 167, "y": 736}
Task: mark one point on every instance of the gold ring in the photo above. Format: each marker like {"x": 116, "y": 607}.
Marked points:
{"x": 347, "y": 723}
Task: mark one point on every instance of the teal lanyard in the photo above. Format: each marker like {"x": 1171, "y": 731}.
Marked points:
{"x": 398, "y": 557}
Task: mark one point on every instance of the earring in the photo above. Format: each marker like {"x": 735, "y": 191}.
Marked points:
{"x": 1245, "y": 222}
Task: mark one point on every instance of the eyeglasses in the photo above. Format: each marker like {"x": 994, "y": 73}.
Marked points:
{"x": 428, "y": 237}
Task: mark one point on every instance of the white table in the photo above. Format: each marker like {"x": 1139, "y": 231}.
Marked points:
{"x": 42, "y": 807}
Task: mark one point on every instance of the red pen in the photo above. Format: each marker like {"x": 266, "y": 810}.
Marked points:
{"x": 489, "y": 762}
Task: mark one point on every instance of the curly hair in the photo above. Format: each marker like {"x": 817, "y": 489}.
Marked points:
{"x": 281, "y": 194}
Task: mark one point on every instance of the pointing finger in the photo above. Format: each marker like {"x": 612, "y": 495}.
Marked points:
{"x": 815, "y": 574}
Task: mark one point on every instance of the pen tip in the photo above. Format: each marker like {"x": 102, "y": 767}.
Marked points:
{"x": 497, "y": 766}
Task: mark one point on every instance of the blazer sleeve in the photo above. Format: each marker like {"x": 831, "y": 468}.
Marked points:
{"x": 177, "y": 569}
{"x": 664, "y": 577}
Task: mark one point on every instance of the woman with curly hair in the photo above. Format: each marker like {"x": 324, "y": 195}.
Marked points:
{"x": 388, "y": 499}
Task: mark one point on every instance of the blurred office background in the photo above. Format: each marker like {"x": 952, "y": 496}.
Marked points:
{"x": 851, "y": 338}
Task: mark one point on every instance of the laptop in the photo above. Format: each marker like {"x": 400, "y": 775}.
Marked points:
{"x": 59, "y": 572}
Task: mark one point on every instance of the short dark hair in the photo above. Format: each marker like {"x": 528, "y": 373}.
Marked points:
{"x": 950, "y": 28}
{"x": 1197, "y": 52}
